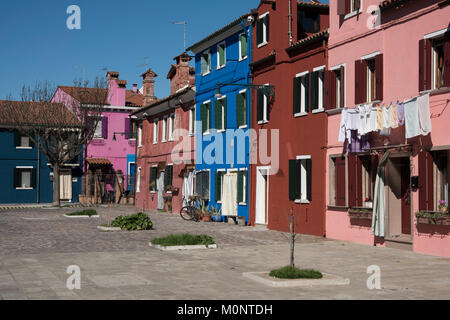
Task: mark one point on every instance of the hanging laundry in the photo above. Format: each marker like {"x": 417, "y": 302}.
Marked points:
{"x": 412, "y": 124}
{"x": 380, "y": 118}
{"x": 373, "y": 119}
{"x": 424, "y": 114}
{"x": 364, "y": 113}
{"x": 352, "y": 122}
{"x": 394, "y": 116}
{"x": 401, "y": 114}
{"x": 342, "y": 126}
{"x": 358, "y": 143}
{"x": 386, "y": 117}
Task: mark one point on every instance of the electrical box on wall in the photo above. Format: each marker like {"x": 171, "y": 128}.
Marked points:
{"x": 415, "y": 183}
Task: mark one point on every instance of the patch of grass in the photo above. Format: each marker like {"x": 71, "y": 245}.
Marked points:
{"x": 139, "y": 221}
{"x": 295, "y": 273}
{"x": 88, "y": 213}
{"x": 183, "y": 240}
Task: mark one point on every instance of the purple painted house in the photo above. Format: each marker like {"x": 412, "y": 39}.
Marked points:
{"x": 110, "y": 157}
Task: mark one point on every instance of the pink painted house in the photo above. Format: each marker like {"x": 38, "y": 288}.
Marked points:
{"x": 113, "y": 148}
{"x": 404, "y": 55}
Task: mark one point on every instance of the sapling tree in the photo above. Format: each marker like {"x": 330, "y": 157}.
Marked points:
{"x": 61, "y": 131}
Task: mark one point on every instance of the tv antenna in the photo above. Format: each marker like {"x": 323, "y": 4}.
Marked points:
{"x": 146, "y": 64}
{"x": 184, "y": 23}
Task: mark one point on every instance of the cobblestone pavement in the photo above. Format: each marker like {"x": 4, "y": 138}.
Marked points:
{"x": 37, "y": 246}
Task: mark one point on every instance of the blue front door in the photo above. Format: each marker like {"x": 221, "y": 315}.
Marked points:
{"x": 131, "y": 177}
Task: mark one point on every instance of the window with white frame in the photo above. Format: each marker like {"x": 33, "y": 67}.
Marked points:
{"x": 371, "y": 80}
{"x": 262, "y": 30}
{"x": 205, "y": 114}
{"x": 241, "y": 109}
{"x": 317, "y": 89}
{"x": 221, "y": 55}
{"x": 441, "y": 178}
{"x": 438, "y": 63}
{"x": 22, "y": 141}
{"x": 263, "y": 106}
{"x": 243, "y": 46}
{"x": 220, "y": 173}
{"x": 24, "y": 178}
{"x": 220, "y": 113}
{"x": 202, "y": 184}
{"x": 300, "y": 179}
{"x": 242, "y": 186}
{"x": 98, "y": 133}
{"x": 171, "y": 126}
{"x": 206, "y": 63}
{"x": 192, "y": 121}
{"x": 155, "y": 131}
{"x": 301, "y": 94}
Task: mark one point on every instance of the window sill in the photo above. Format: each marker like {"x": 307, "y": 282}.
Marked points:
{"x": 242, "y": 59}
{"x": 334, "y": 111}
{"x": 301, "y": 114}
{"x": 191, "y": 134}
{"x": 337, "y": 208}
{"x": 24, "y": 148}
{"x": 318, "y": 110}
{"x": 24, "y": 188}
{"x": 263, "y": 122}
{"x": 302, "y": 202}
{"x": 262, "y": 44}
{"x": 206, "y": 133}
{"x": 221, "y": 67}
{"x": 352, "y": 14}
{"x": 242, "y": 203}
{"x": 243, "y": 127}
{"x": 220, "y": 131}
{"x": 153, "y": 192}
{"x": 205, "y": 74}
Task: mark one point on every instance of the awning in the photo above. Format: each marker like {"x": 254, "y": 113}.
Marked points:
{"x": 98, "y": 162}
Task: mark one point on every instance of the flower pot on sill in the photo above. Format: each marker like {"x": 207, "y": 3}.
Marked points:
{"x": 443, "y": 210}
{"x": 368, "y": 204}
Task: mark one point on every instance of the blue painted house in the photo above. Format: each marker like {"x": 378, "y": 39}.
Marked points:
{"x": 26, "y": 176}
{"x": 223, "y": 117}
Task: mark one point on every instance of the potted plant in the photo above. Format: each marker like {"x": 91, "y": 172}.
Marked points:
{"x": 443, "y": 207}
{"x": 205, "y": 213}
{"x": 368, "y": 203}
{"x": 216, "y": 214}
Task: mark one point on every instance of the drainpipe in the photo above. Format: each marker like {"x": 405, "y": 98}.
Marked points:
{"x": 290, "y": 23}
{"x": 38, "y": 176}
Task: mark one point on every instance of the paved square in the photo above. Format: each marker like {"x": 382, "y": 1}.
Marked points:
{"x": 37, "y": 246}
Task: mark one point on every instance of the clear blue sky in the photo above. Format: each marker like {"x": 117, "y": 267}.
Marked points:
{"x": 36, "y": 44}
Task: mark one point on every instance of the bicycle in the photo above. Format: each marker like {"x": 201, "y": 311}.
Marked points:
{"x": 190, "y": 212}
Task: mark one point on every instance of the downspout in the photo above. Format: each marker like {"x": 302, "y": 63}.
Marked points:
{"x": 290, "y": 23}
{"x": 39, "y": 176}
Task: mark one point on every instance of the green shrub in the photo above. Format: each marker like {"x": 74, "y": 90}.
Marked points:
{"x": 295, "y": 273}
{"x": 183, "y": 240}
{"x": 88, "y": 213}
{"x": 133, "y": 222}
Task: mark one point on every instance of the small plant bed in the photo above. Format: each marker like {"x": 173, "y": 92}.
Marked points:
{"x": 139, "y": 221}
{"x": 83, "y": 214}
{"x": 295, "y": 273}
{"x": 184, "y": 242}
{"x": 433, "y": 217}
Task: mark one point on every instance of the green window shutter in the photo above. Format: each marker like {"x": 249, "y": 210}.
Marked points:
{"x": 17, "y": 178}
{"x": 218, "y": 115}
{"x": 240, "y": 186}
{"x": 307, "y": 93}
{"x": 260, "y": 106}
{"x": 259, "y": 31}
{"x": 33, "y": 178}
{"x": 224, "y": 103}
{"x": 222, "y": 54}
{"x": 218, "y": 186}
{"x": 239, "y": 110}
{"x": 309, "y": 179}
{"x": 267, "y": 27}
{"x": 153, "y": 172}
{"x": 16, "y": 139}
{"x": 296, "y": 104}
{"x": 171, "y": 176}
{"x": 294, "y": 180}
{"x": 203, "y": 64}
{"x": 243, "y": 45}
{"x": 314, "y": 90}
{"x": 203, "y": 115}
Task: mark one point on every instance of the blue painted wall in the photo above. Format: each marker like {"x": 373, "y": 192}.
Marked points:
{"x": 234, "y": 72}
{"x": 11, "y": 157}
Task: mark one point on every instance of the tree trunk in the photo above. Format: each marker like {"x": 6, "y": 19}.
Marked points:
{"x": 56, "y": 187}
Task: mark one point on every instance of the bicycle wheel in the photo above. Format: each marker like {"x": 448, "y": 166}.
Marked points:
{"x": 187, "y": 213}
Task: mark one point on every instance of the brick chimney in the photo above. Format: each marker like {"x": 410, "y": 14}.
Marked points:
{"x": 116, "y": 89}
{"x": 149, "y": 86}
{"x": 181, "y": 74}
{"x": 135, "y": 89}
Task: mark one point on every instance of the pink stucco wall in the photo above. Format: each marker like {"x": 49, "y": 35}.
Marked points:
{"x": 397, "y": 39}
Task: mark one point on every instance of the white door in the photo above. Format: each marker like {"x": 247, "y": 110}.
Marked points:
{"x": 261, "y": 196}
{"x": 65, "y": 185}
{"x": 188, "y": 186}
{"x": 160, "y": 188}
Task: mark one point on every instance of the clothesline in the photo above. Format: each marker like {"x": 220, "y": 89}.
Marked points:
{"x": 358, "y": 122}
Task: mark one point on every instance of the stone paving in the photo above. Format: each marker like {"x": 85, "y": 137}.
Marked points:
{"x": 37, "y": 246}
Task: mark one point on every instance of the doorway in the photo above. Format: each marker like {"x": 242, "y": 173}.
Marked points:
{"x": 262, "y": 190}
{"x": 399, "y": 199}
{"x": 65, "y": 185}
{"x": 229, "y": 195}
{"x": 160, "y": 189}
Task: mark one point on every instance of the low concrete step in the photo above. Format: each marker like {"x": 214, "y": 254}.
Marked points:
{"x": 402, "y": 242}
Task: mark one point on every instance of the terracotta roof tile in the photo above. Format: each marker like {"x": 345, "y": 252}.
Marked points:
{"x": 98, "y": 162}
{"x": 319, "y": 35}
{"x": 312, "y": 4}
{"x": 100, "y": 96}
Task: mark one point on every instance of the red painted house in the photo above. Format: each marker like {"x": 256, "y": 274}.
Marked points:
{"x": 291, "y": 55}
{"x": 166, "y": 145}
